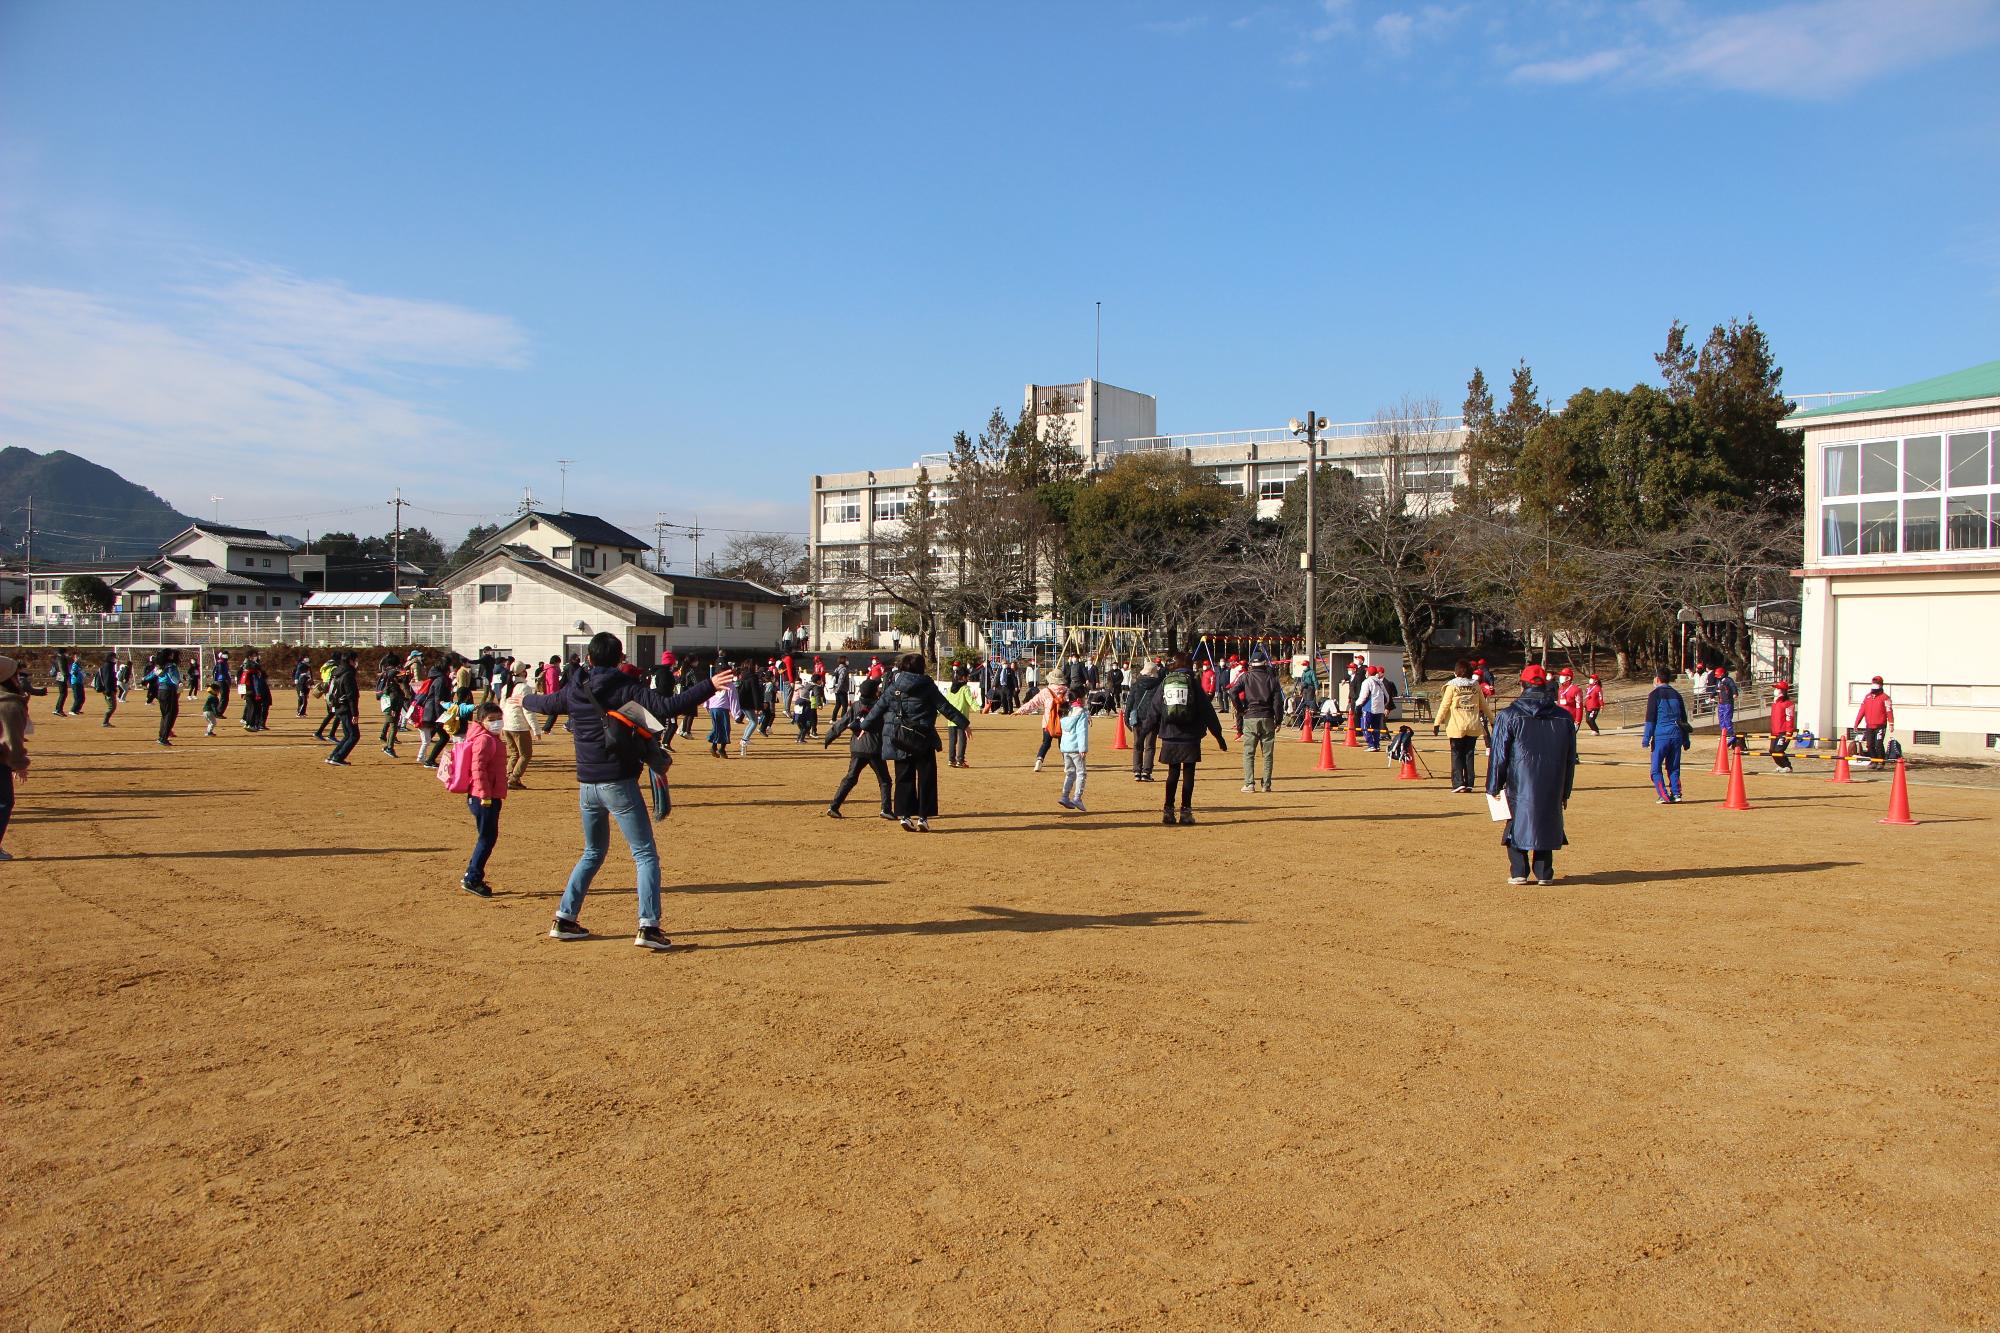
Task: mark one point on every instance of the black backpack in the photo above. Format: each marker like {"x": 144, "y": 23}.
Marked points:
{"x": 633, "y": 735}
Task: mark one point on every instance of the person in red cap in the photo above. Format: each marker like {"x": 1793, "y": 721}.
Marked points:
{"x": 1593, "y": 704}
{"x": 1877, "y": 719}
{"x": 1784, "y": 723}
{"x": 1569, "y": 695}
{"x": 1533, "y": 761}
{"x": 1374, "y": 705}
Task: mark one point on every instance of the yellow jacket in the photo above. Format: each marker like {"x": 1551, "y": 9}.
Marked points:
{"x": 1463, "y": 709}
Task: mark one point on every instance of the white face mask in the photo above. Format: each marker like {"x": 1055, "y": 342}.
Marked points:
{"x": 493, "y": 727}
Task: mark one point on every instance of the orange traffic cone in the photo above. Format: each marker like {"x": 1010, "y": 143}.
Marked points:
{"x": 1326, "y": 750}
{"x": 1840, "y": 773}
{"x": 1306, "y": 730}
{"x": 1737, "y": 799}
{"x": 1121, "y": 743}
{"x": 1721, "y": 769}
{"x": 1352, "y": 743}
{"x": 1409, "y": 773}
{"x": 1899, "y": 799}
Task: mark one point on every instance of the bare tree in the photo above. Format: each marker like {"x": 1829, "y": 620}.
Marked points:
{"x": 905, "y": 565}
{"x": 773, "y": 559}
{"x": 1392, "y": 535}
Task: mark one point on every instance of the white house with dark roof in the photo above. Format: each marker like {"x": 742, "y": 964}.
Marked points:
{"x": 583, "y": 543}
{"x": 1902, "y": 560}
{"x": 214, "y": 567}
{"x": 517, "y": 599}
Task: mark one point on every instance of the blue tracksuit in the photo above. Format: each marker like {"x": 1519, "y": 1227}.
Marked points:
{"x": 1666, "y": 736}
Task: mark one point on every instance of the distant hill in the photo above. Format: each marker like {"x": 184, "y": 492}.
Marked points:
{"x": 82, "y": 511}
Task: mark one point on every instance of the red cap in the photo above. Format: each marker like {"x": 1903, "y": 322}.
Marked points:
{"x": 1876, "y": 681}
{"x": 1533, "y": 674}
{"x": 1565, "y": 672}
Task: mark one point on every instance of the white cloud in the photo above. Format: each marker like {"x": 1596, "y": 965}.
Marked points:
{"x": 1395, "y": 30}
{"x": 257, "y": 382}
{"x": 1806, "y": 49}
{"x": 1576, "y": 69}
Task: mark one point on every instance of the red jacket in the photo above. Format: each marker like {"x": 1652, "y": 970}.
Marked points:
{"x": 1593, "y": 697}
{"x": 486, "y": 756}
{"x": 1784, "y": 717}
{"x": 1570, "y": 697}
{"x": 1877, "y": 710}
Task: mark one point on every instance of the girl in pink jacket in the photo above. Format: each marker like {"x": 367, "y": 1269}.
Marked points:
{"x": 479, "y": 769}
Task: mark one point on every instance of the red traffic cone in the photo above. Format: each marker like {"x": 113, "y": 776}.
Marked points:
{"x": 1306, "y": 730}
{"x": 1840, "y": 773}
{"x": 1352, "y": 743}
{"x": 1721, "y": 769}
{"x": 1121, "y": 743}
{"x": 1409, "y": 773}
{"x": 1899, "y": 799}
{"x": 1326, "y": 750}
{"x": 1738, "y": 799}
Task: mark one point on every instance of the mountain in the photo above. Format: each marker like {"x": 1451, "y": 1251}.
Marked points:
{"x": 82, "y": 511}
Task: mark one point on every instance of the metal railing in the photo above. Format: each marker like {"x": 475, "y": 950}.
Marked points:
{"x": 358, "y": 627}
{"x": 1224, "y": 439}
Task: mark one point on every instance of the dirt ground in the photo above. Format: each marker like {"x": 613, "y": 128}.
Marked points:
{"x": 1310, "y": 1063}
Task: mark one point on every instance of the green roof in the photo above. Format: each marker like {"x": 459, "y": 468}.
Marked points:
{"x": 1981, "y": 381}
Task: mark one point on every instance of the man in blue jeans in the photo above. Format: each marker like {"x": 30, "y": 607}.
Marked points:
{"x": 608, "y": 782}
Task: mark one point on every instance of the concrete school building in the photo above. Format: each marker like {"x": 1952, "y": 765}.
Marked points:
{"x": 1902, "y": 561}
{"x": 1103, "y": 423}
{"x": 573, "y": 576}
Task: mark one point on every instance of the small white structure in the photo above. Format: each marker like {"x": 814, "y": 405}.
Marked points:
{"x": 1902, "y": 560}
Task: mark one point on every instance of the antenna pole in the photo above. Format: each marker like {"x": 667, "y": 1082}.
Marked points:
{"x": 562, "y": 505}
{"x": 396, "y": 556}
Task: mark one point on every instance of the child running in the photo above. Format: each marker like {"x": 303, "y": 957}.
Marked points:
{"x": 959, "y": 738}
{"x": 1075, "y": 755}
{"x": 211, "y": 707}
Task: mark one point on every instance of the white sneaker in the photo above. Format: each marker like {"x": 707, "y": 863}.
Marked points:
{"x": 1038, "y": 765}
{"x": 1249, "y": 787}
{"x": 1517, "y": 879}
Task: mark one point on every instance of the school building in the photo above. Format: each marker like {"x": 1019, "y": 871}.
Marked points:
{"x": 1902, "y": 560}
{"x": 1103, "y": 423}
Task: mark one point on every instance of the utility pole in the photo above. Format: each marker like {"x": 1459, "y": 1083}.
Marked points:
{"x": 217, "y": 500}
{"x": 28, "y": 605}
{"x": 660, "y": 526}
{"x": 396, "y": 551}
{"x": 562, "y": 506}
{"x": 694, "y": 535}
{"x": 1310, "y": 560}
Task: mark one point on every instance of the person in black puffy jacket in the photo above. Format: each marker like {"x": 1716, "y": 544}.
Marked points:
{"x": 907, "y": 716}
{"x": 1182, "y": 712}
{"x": 608, "y": 782}
{"x": 863, "y": 752}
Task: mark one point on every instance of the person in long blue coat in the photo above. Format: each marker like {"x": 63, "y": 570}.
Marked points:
{"x": 1533, "y": 760}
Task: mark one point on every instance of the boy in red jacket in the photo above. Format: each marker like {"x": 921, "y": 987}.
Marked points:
{"x": 1877, "y": 719}
{"x": 479, "y": 769}
{"x": 1593, "y": 704}
{"x": 1569, "y": 695}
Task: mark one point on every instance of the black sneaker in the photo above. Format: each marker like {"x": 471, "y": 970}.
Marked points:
{"x": 479, "y": 890}
{"x": 888, "y": 814}
{"x": 565, "y": 929}
{"x": 1167, "y": 818}
{"x": 1187, "y": 817}
{"x": 652, "y": 937}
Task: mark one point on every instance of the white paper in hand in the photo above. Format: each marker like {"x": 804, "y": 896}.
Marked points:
{"x": 1497, "y": 807}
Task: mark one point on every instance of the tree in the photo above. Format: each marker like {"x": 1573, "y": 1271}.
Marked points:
{"x": 1139, "y": 534}
{"x": 904, "y": 564}
{"x": 1393, "y": 538}
{"x": 468, "y": 550}
{"x": 421, "y": 548}
{"x": 1045, "y": 471}
{"x": 773, "y": 559}
{"x": 87, "y": 592}
{"x": 986, "y": 526}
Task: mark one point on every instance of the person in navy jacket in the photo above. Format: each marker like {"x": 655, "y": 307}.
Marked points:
{"x": 1533, "y": 761}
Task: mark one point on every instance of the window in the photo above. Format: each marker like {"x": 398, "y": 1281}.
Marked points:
{"x": 843, "y": 563}
{"x": 885, "y": 621}
{"x": 891, "y": 505}
{"x": 1271, "y": 490}
{"x": 680, "y": 611}
{"x": 630, "y": 559}
{"x": 260, "y": 599}
{"x": 589, "y": 557}
{"x": 242, "y": 599}
{"x": 749, "y": 617}
{"x": 495, "y": 592}
{"x": 729, "y": 616}
{"x": 841, "y": 507}
{"x": 701, "y": 614}
{"x": 1915, "y": 496}
{"x": 561, "y": 553}
{"x": 1429, "y": 474}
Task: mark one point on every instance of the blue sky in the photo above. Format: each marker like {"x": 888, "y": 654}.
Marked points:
{"x": 297, "y": 254}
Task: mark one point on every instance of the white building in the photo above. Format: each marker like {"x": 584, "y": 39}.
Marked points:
{"x": 1902, "y": 560}
{"x": 1105, "y": 423}
{"x": 45, "y": 600}
{"x": 583, "y": 543}
{"x": 213, "y": 567}
{"x": 521, "y": 601}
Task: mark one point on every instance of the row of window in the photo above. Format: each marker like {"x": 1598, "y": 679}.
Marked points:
{"x": 1911, "y": 496}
